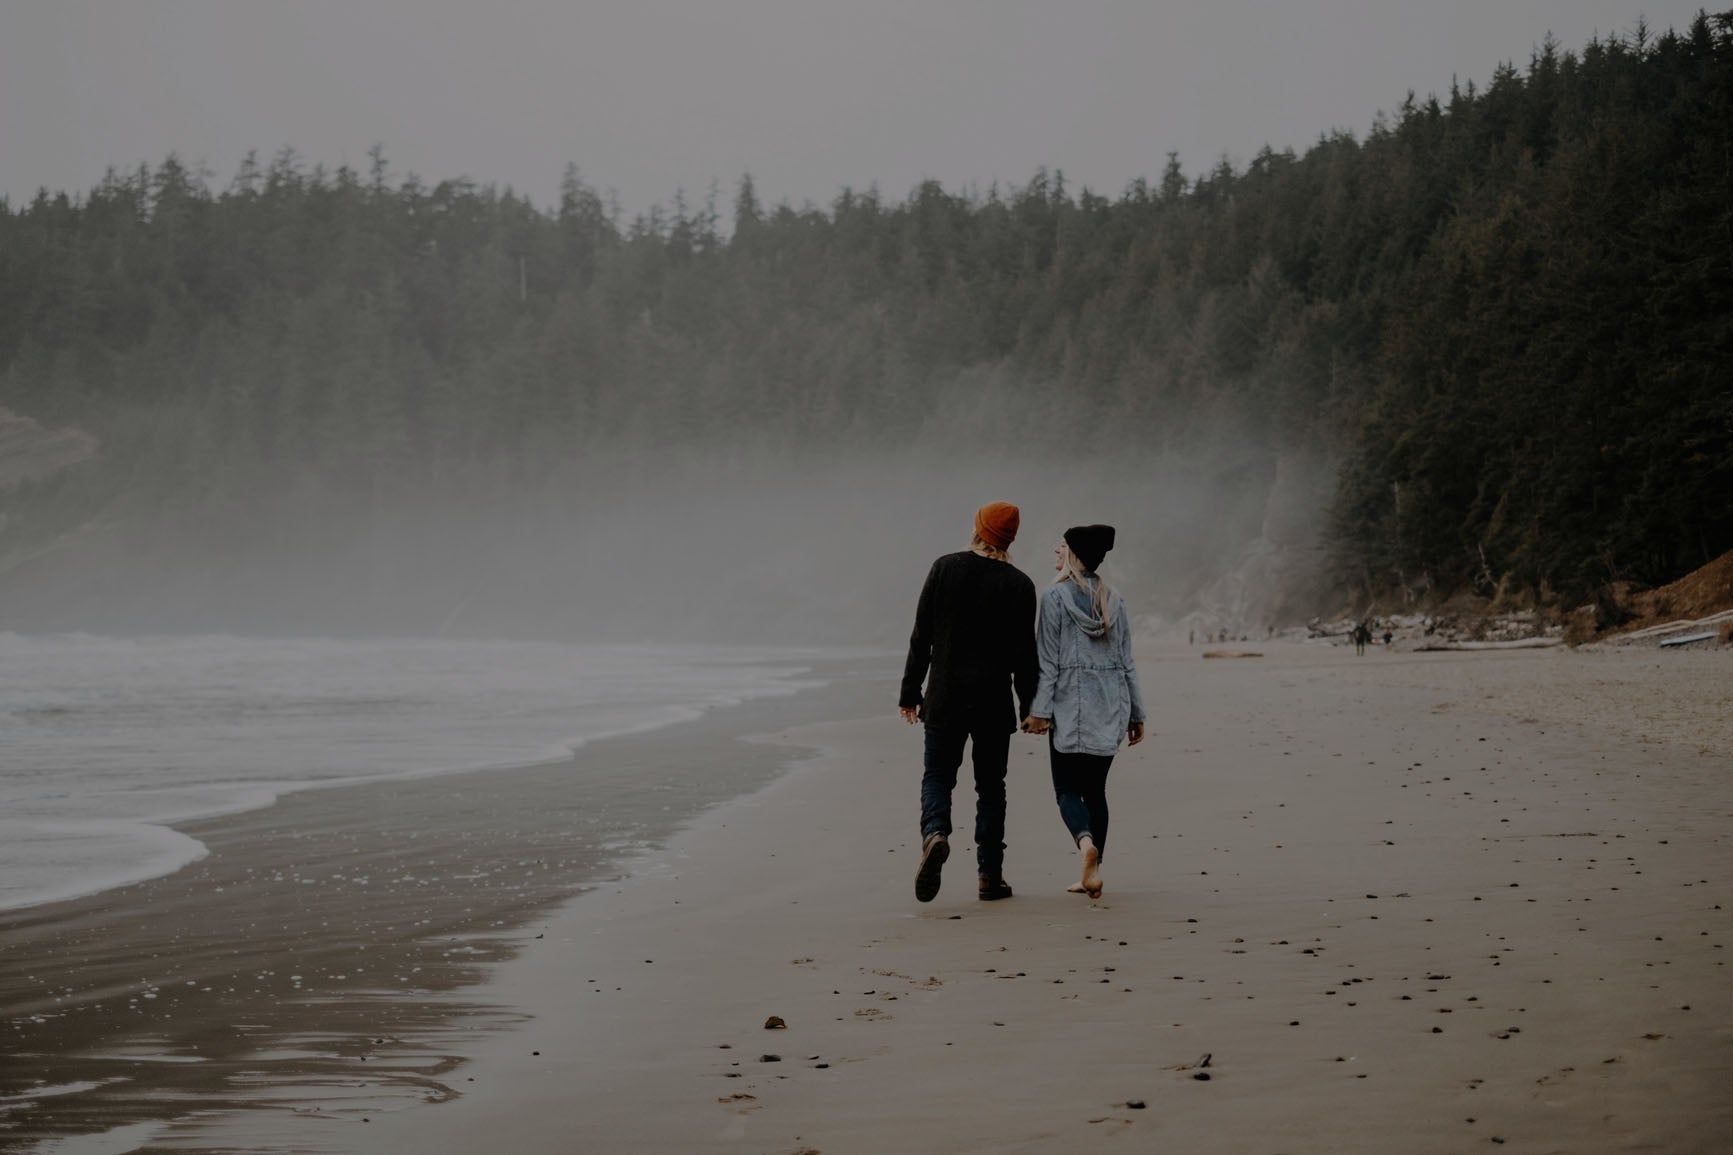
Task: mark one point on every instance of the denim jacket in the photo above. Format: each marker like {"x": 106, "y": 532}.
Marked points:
{"x": 1088, "y": 685}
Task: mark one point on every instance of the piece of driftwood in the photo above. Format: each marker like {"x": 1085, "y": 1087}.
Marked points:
{"x": 1231, "y": 654}
{"x": 1513, "y": 644}
{"x": 1668, "y": 627}
{"x": 1705, "y": 636}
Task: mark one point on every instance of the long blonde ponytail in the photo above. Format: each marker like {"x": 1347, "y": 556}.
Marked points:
{"x": 1100, "y": 596}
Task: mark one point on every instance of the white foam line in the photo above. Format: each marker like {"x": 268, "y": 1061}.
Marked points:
{"x": 172, "y": 850}
{"x": 176, "y": 850}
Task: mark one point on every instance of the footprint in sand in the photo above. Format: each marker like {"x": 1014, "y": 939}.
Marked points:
{"x": 1117, "y": 1122}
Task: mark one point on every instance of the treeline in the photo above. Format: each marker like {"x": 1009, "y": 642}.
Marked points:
{"x": 1507, "y": 314}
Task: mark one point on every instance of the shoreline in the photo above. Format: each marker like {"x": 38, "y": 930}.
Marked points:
{"x": 1394, "y": 910}
{"x": 373, "y": 910}
{"x": 120, "y": 849}
{"x": 1389, "y": 926}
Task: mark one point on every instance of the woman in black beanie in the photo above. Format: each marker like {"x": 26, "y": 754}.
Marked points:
{"x": 1088, "y": 699}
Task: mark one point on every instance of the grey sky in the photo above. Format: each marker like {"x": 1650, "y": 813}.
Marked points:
{"x": 650, "y": 95}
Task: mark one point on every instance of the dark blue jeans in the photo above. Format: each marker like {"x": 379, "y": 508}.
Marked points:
{"x": 1080, "y": 785}
{"x": 990, "y": 746}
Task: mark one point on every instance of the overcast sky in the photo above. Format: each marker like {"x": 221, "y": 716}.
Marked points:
{"x": 648, "y": 96}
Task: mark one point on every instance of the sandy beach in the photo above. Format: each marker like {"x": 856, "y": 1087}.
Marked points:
{"x": 327, "y": 949}
{"x": 1418, "y": 903}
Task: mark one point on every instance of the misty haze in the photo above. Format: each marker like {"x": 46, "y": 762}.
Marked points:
{"x": 452, "y": 602}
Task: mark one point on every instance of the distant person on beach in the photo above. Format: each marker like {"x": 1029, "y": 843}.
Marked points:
{"x": 974, "y": 632}
{"x": 1362, "y": 635}
{"x": 1088, "y": 699}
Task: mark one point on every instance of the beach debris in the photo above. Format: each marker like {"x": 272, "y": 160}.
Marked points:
{"x": 775, "y": 1023}
{"x": 1231, "y": 654}
{"x": 1135, "y": 1104}
{"x": 1704, "y": 636}
{"x": 1511, "y": 644}
{"x": 1197, "y": 1064}
{"x": 768, "y": 1058}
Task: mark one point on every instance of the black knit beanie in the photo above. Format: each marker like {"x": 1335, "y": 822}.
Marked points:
{"x": 1089, "y": 543}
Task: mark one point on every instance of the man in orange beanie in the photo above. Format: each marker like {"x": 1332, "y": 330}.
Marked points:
{"x": 973, "y": 645}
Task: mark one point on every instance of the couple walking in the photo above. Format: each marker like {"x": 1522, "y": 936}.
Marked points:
{"x": 977, "y": 640}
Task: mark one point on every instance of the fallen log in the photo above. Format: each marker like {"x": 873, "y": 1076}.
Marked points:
{"x": 1513, "y": 644}
{"x": 1706, "y": 635}
{"x": 1669, "y": 627}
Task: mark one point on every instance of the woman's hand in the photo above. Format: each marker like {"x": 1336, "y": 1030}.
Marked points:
{"x": 1134, "y": 733}
{"x": 1034, "y": 725}
{"x": 911, "y": 714}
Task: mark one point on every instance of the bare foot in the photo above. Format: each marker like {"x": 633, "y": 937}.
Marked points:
{"x": 1091, "y": 882}
{"x": 1074, "y": 888}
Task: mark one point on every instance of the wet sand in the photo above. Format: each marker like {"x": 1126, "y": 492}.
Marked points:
{"x": 1353, "y": 905}
{"x": 325, "y": 955}
{"x": 1405, "y": 902}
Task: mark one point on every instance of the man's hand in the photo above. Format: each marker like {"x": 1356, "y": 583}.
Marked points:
{"x": 1134, "y": 733}
{"x": 911, "y": 714}
{"x": 1034, "y": 725}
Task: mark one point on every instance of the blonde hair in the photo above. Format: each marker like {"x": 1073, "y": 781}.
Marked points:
{"x": 1100, "y": 596}
{"x": 985, "y": 550}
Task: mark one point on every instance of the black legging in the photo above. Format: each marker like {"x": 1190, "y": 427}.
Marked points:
{"x": 1080, "y": 786}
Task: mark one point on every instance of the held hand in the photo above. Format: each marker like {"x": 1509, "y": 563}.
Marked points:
{"x": 911, "y": 714}
{"x": 1134, "y": 733}
{"x": 1034, "y": 725}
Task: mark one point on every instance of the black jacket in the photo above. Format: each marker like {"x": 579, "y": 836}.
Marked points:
{"x": 975, "y": 627}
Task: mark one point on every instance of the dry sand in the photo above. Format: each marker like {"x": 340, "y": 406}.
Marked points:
{"x": 1397, "y": 915}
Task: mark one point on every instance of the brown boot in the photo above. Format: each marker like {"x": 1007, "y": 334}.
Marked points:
{"x": 993, "y": 889}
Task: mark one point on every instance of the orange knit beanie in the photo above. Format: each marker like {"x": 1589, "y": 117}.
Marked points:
{"x": 996, "y": 523}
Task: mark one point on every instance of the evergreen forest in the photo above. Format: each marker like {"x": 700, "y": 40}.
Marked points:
{"x": 1503, "y": 316}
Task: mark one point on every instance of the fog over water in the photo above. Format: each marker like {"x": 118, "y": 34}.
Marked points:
{"x": 308, "y": 397}
{"x": 678, "y": 544}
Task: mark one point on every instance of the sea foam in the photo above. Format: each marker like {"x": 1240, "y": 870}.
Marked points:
{"x": 106, "y": 743}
